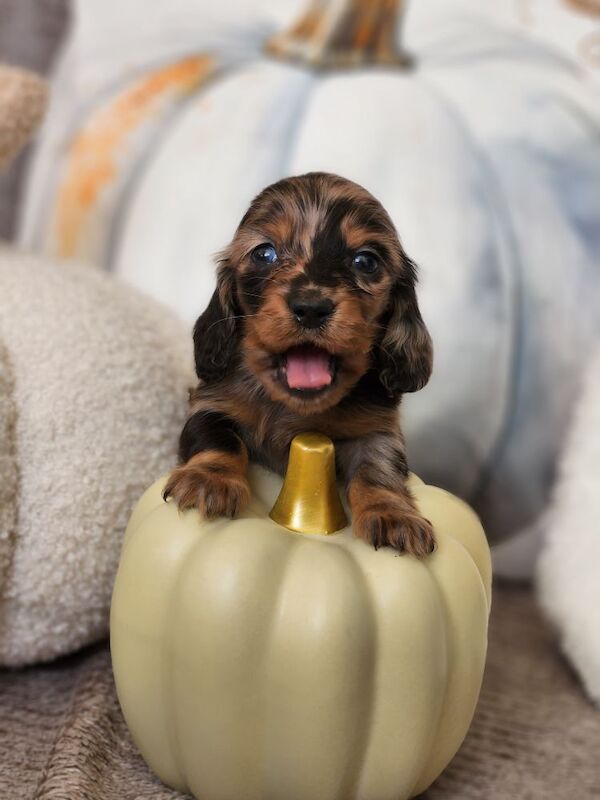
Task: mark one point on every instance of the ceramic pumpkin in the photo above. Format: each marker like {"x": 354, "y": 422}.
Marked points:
{"x": 485, "y": 152}
{"x": 252, "y": 661}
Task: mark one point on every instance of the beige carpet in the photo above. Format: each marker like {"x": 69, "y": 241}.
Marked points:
{"x": 535, "y": 736}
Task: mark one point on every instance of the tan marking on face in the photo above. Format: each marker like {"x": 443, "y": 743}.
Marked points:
{"x": 311, "y": 222}
{"x": 355, "y": 235}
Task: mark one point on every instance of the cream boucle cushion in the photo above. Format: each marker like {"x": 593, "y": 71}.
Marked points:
{"x": 568, "y": 570}
{"x": 93, "y": 391}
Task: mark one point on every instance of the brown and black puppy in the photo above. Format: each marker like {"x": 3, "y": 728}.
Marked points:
{"x": 314, "y": 326}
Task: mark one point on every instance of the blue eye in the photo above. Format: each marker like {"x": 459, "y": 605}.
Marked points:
{"x": 264, "y": 254}
{"x": 365, "y": 261}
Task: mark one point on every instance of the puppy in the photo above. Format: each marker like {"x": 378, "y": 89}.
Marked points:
{"x": 314, "y": 326}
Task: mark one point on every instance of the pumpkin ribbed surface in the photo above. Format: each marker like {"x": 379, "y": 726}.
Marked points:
{"x": 252, "y": 661}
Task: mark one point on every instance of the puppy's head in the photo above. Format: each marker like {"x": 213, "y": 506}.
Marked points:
{"x": 313, "y": 292}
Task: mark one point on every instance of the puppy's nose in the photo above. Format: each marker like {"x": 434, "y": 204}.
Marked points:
{"x": 312, "y": 313}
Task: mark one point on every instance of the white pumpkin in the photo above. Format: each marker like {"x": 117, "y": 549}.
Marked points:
{"x": 253, "y": 662}
{"x": 487, "y": 156}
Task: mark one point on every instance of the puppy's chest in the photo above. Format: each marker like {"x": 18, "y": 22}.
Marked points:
{"x": 267, "y": 428}
{"x": 269, "y": 437}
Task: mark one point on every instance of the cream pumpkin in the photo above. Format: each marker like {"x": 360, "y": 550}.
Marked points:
{"x": 255, "y": 662}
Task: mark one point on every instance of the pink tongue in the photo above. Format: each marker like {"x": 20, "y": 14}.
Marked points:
{"x": 308, "y": 368}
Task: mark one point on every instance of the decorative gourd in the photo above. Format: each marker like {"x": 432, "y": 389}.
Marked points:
{"x": 485, "y": 152}
{"x": 252, "y": 661}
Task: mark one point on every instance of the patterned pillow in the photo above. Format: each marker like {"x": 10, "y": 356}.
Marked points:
{"x": 93, "y": 395}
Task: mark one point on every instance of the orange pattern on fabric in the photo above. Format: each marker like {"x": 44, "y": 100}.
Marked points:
{"x": 93, "y": 158}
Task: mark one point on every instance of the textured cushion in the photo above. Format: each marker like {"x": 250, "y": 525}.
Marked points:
{"x": 93, "y": 389}
{"x": 568, "y": 579}
{"x": 8, "y": 465}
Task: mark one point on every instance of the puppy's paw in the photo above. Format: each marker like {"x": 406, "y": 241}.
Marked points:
{"x": 215, "y": 489}
{"x": 404, "y": 531}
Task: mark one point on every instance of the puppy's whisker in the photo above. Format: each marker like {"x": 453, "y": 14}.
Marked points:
{"x": 228, "y": 317}
{"x": 250, "y": 294}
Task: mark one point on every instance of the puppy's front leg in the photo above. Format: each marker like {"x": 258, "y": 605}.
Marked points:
{"x": 213, "y": 473}
{"x": 383, "y": 509}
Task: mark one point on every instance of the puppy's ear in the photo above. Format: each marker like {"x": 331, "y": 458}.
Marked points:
{"x": 216, "y": 332}
{"x": 404, "y": 354}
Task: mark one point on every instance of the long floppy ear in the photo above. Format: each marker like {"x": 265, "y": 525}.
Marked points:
{"x": 216, "y": 332}
{"x": 405, "y": 354}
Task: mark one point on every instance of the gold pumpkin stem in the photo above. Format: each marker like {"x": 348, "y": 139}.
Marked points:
{"x": 309, "y": 501}
{"x": 344, "y": 33}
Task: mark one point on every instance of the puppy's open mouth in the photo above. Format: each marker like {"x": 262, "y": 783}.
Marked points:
{"x": 307, "y": 369}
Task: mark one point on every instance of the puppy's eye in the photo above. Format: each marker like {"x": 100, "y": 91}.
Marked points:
{"x": 264, "y": 254}
{"x": 365, "y": 261}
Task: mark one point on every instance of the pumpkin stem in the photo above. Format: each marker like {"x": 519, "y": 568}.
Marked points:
{"x": 309, "y": 501}
{"x": 344, "y": 33}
